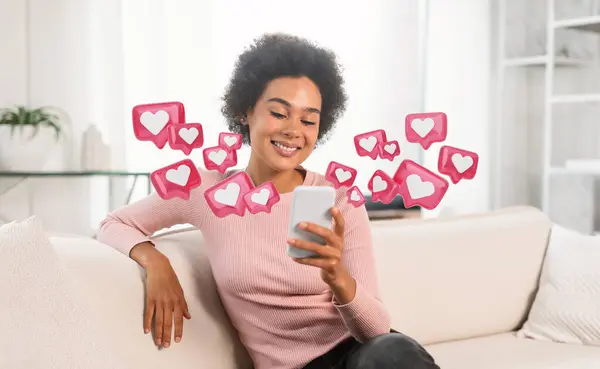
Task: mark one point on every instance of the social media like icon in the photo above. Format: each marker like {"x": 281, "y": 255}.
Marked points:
{"x": 151, "y": 121}
{"x": 261, "y": 198}
{"x": 355, "y": 197}
{"x": 426, "y": 128}
{"x": 219, "y": 159}
{"x": 382, "y": 187}
{"x": 340, "y": 175}
{"x": 390, "y": 150}
{"x": 176, "y": 180}
{"x": 227, "y": 197}
{"x": 457, "y": 163}
{"x": 230, "y": 141}
{"x": 369, "y": 144}
{"x": 419, "y": 186}
{"x": 186, "y": 137}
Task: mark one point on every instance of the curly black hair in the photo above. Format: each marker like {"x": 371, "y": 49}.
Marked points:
{"x": 278, "y": 55}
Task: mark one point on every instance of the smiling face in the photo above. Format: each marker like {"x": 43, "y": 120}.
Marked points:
{"x": 284, "y": 123}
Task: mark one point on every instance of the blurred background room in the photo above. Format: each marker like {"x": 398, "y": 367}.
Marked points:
{"x": 518, "y": 79}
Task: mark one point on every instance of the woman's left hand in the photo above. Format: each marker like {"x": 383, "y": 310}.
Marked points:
{"x": 329, "y": 257}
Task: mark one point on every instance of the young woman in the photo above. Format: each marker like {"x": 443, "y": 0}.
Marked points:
{"x": 285, "y": 96}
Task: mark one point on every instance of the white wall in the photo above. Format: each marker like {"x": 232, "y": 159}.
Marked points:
{"x": 459, "y": 84}
{"x": 64, "y": 53}
{"x": 377, "y": 44}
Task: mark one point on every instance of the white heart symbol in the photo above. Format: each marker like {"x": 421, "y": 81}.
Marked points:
{"x": 154, "y": 122}
{"x": 230, "y": 140}
{"x": 217, "y": 157}
{"x": 228, "y": 195}
{"x": 422, "y": 127}
{"x": 390, "y": 148}
{"x": 179, "y": 176}
{"x": 418, "y": 188}
{"x": 368, "y": 143}
{"x": 354, "y": 196}
{"x": 261, "y": 197}
{"x": 189, "y": 134}
{"x": 461, "y": 163}
{"x": 379, "y": 184}
{"x": 342, "y": 175}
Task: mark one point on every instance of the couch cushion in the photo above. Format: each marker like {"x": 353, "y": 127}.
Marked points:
{"x": 113, "y": 284}
{"x": 506, "y": 351}
{"x": 567, "y": 306}
{"x": 463, "y": 277}
{"x": 46, "y": 323}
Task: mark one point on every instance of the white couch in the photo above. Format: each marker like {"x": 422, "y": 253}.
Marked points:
{"x": 461, "y": 286}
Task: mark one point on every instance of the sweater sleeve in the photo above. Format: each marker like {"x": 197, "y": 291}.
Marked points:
{"x": 135, "y": 223}
{"x": 365, "y": 316}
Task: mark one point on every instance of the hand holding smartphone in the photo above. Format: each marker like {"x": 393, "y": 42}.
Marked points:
{"x": 310, "y": 204}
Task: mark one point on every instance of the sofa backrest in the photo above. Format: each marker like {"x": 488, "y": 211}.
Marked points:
{"x": 461, "y": 277}
{"x": 441, "y": 280}
{"x": 113, "y": 284}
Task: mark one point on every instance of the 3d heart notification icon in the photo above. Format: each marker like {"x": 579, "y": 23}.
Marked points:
{"x": 219, "y": 159}
{"x": 457, "y": 163}
{"x": 230, "y": 141}
{"x": 340, "y": 175}
{"x": 355, "y": 196}
{"x": 419, "y": 186}
{"x": 151, "y": 121}
{"x": 186, "y": 137}
{"x": 261, "y": 198}
{"x": 370, "y": 143}
{"x": 226, "y": 197}
{"x": 382, "y": 187}
{"x": 426, "y": 128}
{"x": 176, "y": 180}
{"x": 390, "y": 150}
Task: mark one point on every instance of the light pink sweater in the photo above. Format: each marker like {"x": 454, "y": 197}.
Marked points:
{"x": 284, "y": 313}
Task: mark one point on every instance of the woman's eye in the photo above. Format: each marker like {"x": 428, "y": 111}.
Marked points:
{"x": 308, "y": 122}
{"x": 277, "y": 115}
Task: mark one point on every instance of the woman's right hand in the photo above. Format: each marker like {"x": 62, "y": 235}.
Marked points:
{"x": 165, "y": 300}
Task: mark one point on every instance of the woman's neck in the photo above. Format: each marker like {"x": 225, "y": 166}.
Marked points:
{"x": 284, "y": 182}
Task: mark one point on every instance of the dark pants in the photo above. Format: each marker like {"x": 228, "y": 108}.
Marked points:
{"x": 389, "y": 351}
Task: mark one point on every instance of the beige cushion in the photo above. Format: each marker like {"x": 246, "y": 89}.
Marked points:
{"x": 505, "y": 351}
{"x": 448, "y": 279}
{"x": 45, "y": 323}
{"x": 567, "y": 306}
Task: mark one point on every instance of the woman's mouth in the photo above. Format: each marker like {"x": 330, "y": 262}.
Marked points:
{"x": 284, "y": 150}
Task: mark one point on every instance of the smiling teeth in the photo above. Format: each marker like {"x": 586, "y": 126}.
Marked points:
{"x": 285, "y": 148}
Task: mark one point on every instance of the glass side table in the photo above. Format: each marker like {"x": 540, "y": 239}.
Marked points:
{"x": 21, "y": 178}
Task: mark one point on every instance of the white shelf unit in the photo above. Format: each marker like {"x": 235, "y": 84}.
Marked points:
{"x": 545, "y": 65}
{"x": 582, "y": 24}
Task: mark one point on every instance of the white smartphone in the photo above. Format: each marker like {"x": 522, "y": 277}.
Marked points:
{"x": 309, "y": 204}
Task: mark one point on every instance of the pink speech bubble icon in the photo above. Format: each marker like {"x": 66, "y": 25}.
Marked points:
{"x": 340, "y": 175}
{"x": 457, "y": 163}
{"x": 419, "y": 186}
{"x": 219, "y": 159}
{"x": 230, "y": 141}
{"x": 176, "y": 180}
{"x": 355, "y": 196}
{"x": 150, "y": 121}
{"x": 227, "y": 197}
{"x": 426, "y": 128}
{"x": 186, "y": 137}
{"x": 261, "y": 198}
{"x": 369, "y": 143}
{"x": 382, "y": 187}
{"x": 389, "y": 150}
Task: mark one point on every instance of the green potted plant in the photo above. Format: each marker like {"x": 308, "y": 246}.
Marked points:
{"x": 29, "y": 135}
